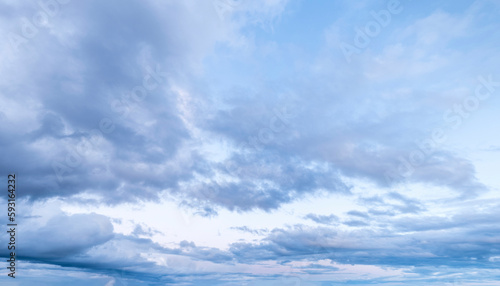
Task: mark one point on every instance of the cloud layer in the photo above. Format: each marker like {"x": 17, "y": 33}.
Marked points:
{"x": 253, "y": 109}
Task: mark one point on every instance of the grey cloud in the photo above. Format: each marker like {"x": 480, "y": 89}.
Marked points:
{"x": 250, "y": 230}
{"x": 466, "y": 243}
{"x": 379, "y": 205}
{"x": 88, "y": 243}
{"x": 75, "y": 84}
{"x": 355, "y": 222}
{"x": 144, "y": 231}
{"x": 322, "y": 219}
{"x": 65, "y": 236}
{"x": 357, "y": 136}
{"x": 358, "y": 214}
{"x": 265, "y": 181}
{"x": 280, "y": 127}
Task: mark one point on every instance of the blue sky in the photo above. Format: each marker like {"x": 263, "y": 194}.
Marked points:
{"x": 267, "y": 142}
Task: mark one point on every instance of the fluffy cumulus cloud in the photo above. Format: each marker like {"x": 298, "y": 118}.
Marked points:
{"x": 269, "y": 142}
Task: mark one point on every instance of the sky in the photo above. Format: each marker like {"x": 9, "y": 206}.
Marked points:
{"x": 263, "y": 142}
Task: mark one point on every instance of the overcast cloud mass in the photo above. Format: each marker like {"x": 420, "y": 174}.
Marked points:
{"x": 252, "y": 142}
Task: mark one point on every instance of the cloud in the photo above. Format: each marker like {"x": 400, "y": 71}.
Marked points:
{"x": 86, "y": 73}
{"x": 64, "y": 236}
{"x": 322, "y": 219}
{"x": 454, "y": 249}
{"x": 252, "y": 231}
{"x": 140, "y": 230}
{"x": 128, "y": 125}
{"x": 262, "y": 182}
{"x": 358, "y": 214}
{"x": 389, "y": 204}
